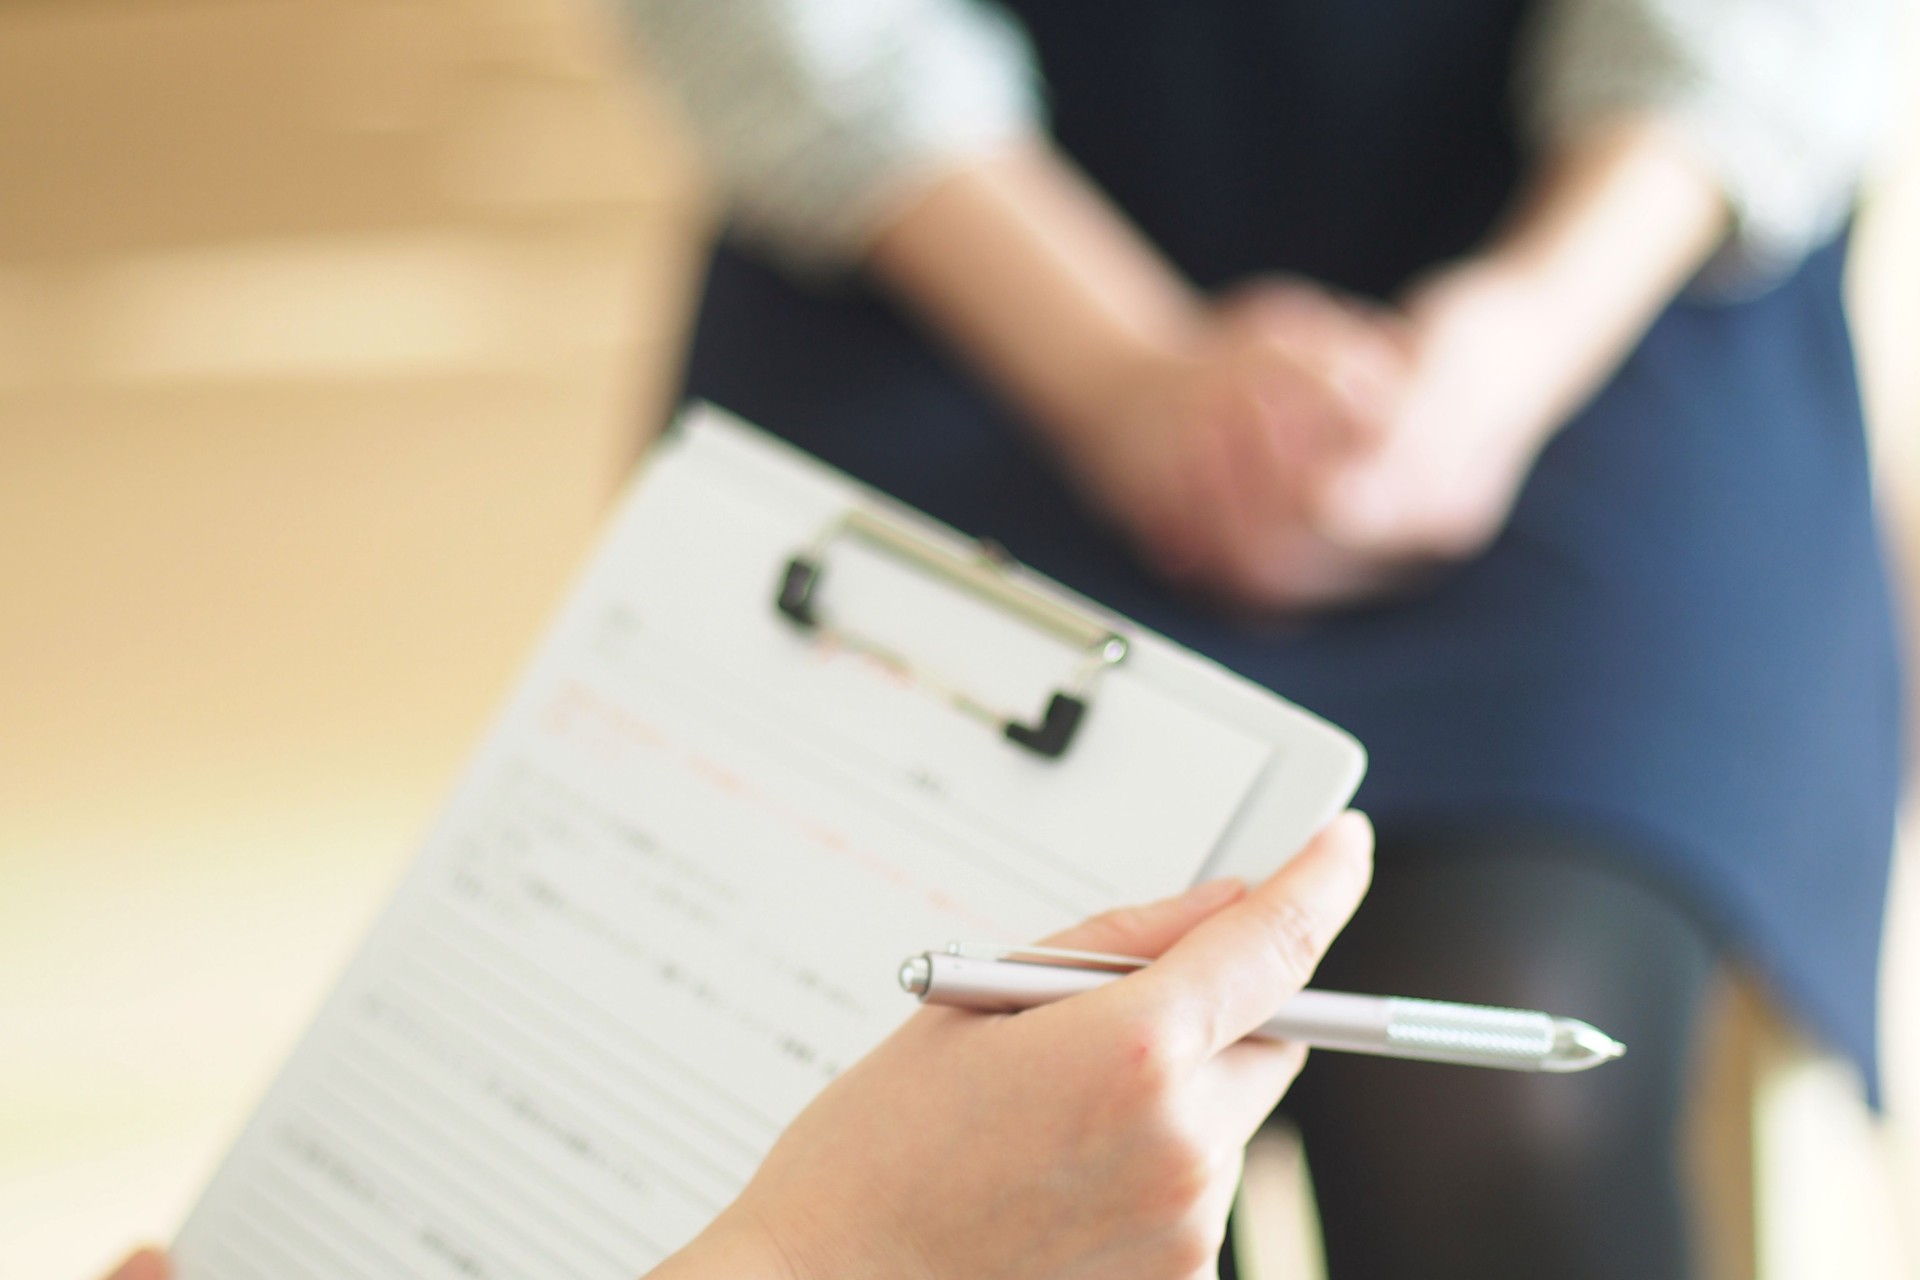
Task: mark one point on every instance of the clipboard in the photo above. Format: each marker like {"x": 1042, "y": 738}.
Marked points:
{"x": 783, "y": 731}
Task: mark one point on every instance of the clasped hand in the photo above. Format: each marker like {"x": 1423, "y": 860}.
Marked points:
{"x": 1306, "y": 450}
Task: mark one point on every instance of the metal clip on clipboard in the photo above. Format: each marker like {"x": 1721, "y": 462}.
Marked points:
{"x": 986, "y": 575}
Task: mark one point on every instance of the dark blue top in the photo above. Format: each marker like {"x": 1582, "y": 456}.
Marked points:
{"x": 1683, "y": 638}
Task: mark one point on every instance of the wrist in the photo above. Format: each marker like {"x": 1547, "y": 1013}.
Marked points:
{"x": 1616, "y": 222}
{"x": 793, "y": 1237}
{"x": 1495, "y": 341}
{"x": 735, "y": 1248}
{"x": 1122, "y": 384}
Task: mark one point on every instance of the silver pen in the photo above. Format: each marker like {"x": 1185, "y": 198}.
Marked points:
{"x": 995, "y": 979}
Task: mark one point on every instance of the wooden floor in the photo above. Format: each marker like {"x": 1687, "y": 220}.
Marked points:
{"x": 325, "y": 332}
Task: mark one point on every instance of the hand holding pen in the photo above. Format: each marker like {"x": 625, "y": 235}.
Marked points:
{"x": 1096, "y": 1137}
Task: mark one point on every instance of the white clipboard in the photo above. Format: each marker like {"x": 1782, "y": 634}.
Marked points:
{"x": 783, "y": 732}
{"x": 1314, "y": 769}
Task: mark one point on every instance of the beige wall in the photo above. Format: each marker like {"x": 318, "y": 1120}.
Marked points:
{"x": 325, "y": 331}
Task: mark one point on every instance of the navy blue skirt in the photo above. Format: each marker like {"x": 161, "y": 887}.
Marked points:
{"x": 1683, "y": 639}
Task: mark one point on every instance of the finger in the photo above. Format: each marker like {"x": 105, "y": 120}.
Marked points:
{"x": 1216, "y": 1203}
{"x": 1232, "y": 970}
{"x": 1233, "y": 514}
{"x": 1273, "y": 438}
{"x": 1246, "y": 1081}
{"x": 1315, "y": 573}
{"x": 1325, "y": 400}
{"x": 1363, "y": 359}
{"x": 1366, "y": 370}
{"x": 1368, "y": 385}
{"x": 145, "y": 1264}
{"x": 1301, "y": 341}
{"x": 1150, "y": 929}
{"x": 1357, "y": 507}
{"x": 1300, "y": 407}
{"x": 1210, "y": 1211}
{"x": 1283, "y": 307}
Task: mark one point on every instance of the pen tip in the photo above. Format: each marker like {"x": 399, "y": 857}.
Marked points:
{"x": 1579, "y": 1045}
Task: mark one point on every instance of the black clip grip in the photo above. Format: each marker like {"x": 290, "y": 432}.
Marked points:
{"x": 986, "y": 574}
{"x": 1054, "y": 734}
{"x": 796, "y": 592}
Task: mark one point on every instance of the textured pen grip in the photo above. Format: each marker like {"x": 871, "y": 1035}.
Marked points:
{"x": 1468, "y": 1033}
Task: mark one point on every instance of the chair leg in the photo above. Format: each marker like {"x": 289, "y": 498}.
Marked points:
{"x": 1791, "y": 1173}
{"x": 1276, "y": 1229}
{"x": 1718, "y": 1154}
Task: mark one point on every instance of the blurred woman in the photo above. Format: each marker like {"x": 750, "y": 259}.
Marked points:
{"x": 1475, "y": 374}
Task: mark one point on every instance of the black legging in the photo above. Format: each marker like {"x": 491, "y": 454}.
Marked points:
{"x": 1427, "y": 1172}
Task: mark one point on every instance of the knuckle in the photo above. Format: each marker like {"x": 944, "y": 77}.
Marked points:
{"x": 1155, "y": 1061}
{"x": 1197, "y": 1226}
{"x": 1293, "y": 936}
{"x": 1111, "y": 930}
{"x": 1181, "y": 1181}
{"x": 1122, "y": 922}
{"x": 1192, "y": 1250}
{"x": 1098, "y": 930}
{"x": 1190, "y": 1176}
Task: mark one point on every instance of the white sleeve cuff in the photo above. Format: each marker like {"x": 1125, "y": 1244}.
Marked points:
{"x": 822, "y": 118}
{"x": 1781, "y": 100}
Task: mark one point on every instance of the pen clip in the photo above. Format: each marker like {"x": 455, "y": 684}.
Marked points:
{"x": 1044, "y": 955}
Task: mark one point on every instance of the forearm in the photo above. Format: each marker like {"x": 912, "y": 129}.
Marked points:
{"x": 1612, "y": 227}
{"x": 1023, "y": 266}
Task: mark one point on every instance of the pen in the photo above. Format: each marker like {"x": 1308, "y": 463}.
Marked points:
{"x": 1007, "y": 979}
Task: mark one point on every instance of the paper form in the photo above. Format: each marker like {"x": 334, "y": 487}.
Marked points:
{"x": 667, "y": 904}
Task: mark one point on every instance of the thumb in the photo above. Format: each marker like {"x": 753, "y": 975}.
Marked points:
{"x": 1149, "y": 930}
{"x": 1232, "y": 970}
